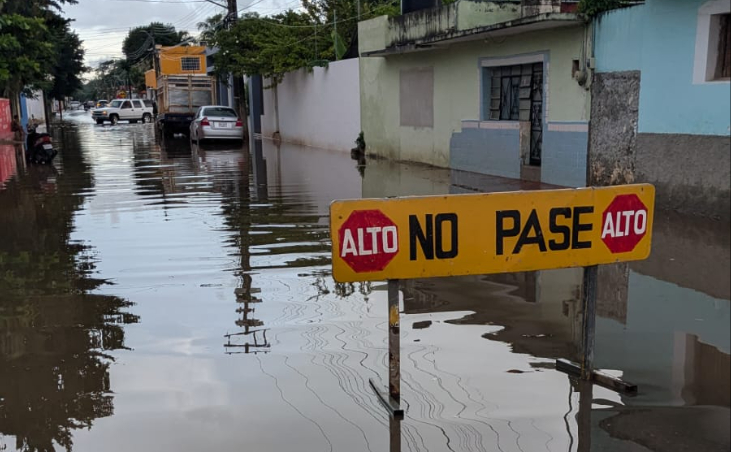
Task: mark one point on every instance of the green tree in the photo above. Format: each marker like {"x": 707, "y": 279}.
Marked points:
{"x": 593, "y": 8}
{"x": 138, "y": 42}
{"x": 271, "y": 46}
{"x": 69, "y": 60}
{"x": 210, "y": 26}
{"x": 32, "y": 8}
{"x": 26, "y": 53}
{"x": 34, "y": 40}
{"x": 341, "y": 16}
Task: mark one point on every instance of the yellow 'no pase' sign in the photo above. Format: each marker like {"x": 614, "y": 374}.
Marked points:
{"x": 417, "y": 237}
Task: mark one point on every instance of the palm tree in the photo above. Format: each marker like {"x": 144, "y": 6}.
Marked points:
{"x": 210, "y": 27}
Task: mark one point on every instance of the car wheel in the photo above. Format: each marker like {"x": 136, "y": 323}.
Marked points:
{"x": 114, "y": 119}
{"x": 146, "y": 118}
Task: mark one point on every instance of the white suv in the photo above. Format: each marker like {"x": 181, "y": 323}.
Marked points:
{"x": 131, "y": 110}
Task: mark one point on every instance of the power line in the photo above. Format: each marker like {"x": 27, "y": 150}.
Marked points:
{"x": 196, "y": 17}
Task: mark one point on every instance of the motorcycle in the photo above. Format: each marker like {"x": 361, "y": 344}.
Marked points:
{"x": 40, "y": 149}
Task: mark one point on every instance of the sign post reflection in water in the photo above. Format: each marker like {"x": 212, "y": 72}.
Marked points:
{"x": 451, "y": 235}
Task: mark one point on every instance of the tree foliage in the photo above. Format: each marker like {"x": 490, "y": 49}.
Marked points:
{"x": 69, "y": 66}
{"x": 139, "y": 40}
{"x": 37, "y": 47}
{"x": 25, "y": 50}
{"x": 210, "y": 26}
{"x": 271, "y": 46}
{"x": 593, "y": 8}
{"x": 111, "y": 76}
{"x": 33, "y": 8}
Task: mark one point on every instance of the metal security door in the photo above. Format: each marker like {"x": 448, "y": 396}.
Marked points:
{"x": 536, "y": 115}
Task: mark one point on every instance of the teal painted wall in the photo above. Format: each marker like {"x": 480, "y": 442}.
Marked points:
{"x": 659, "y": 38}
{"x": 618, "y": 40}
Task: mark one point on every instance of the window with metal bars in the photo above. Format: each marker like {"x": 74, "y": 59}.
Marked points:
{"x": 190, "y": 64}
{"x": 510, "y": 91}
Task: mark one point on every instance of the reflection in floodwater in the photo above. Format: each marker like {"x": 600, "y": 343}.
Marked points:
{"x": 55, "y": 336}
{"x": 243, "y": 339}
{"x": 254, "y": 338}
{"x": 662, "y": 323}
{"x": 8, "y": 162}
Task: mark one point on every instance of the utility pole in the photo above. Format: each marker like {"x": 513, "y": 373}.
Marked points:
{"x": 233, "y": 17}
{"x": 154, "y": 56}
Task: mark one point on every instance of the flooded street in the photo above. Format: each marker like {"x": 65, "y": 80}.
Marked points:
{"x": 163, "y": 297}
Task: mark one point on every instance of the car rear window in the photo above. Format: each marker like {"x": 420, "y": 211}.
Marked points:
{"x": 219, "y": 111}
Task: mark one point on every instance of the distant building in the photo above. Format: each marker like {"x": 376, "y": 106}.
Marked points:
{"x": 512, "y": 89}
{"x": 181, "y": 60}
{"x": 224, "y": 90}
{"x": 497, "y": 88}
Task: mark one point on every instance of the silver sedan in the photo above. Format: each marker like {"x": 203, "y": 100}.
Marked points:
{"x": 216, "y": 122}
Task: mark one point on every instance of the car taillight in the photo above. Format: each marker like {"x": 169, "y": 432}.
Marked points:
{"x": 239, "y": 123}
{"x": 204, "y": 122}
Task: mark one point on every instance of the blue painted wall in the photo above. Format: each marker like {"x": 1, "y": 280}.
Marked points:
{"x": 563, "y": 161}
{"x": 618, "y": 40}
{"x": 658, "y": 39}
{"x": 488, "y": 151}
{"x": 497, "y": 152}
{"x": 23, "y": 112}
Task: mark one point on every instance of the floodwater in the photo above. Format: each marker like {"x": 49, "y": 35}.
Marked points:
{"x": 158, "y": 297}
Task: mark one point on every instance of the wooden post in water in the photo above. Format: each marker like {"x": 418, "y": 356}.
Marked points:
{"x": 586, "y": 397}
{"x": 392, "y": 399}
{"x": 585, "y": 369}
{"x": 589, "y": 322}
{"x": 394, "y": 425}
{"x": 394, "y": 344}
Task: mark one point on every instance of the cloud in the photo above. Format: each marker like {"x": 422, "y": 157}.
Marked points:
{"x": 103, "y": 24}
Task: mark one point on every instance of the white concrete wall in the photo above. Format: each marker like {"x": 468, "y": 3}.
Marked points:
{"x": 320, "y": 108}
{"x": 35, "y": 106}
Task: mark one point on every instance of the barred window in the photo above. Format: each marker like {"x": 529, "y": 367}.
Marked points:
{"x": 190, "y": 64}
{"x": 510, "y": 91}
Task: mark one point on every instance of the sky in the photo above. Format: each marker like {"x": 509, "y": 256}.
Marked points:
{"x": 103, "y": 24}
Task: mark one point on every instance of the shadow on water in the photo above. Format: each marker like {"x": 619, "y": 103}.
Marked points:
{"x": 55, "y": 336}
{"x": 663, "y": 323}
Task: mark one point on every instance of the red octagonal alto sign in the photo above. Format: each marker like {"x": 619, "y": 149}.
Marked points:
{"x": 624, "y": 223}
{"x": 368, "y": 240}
